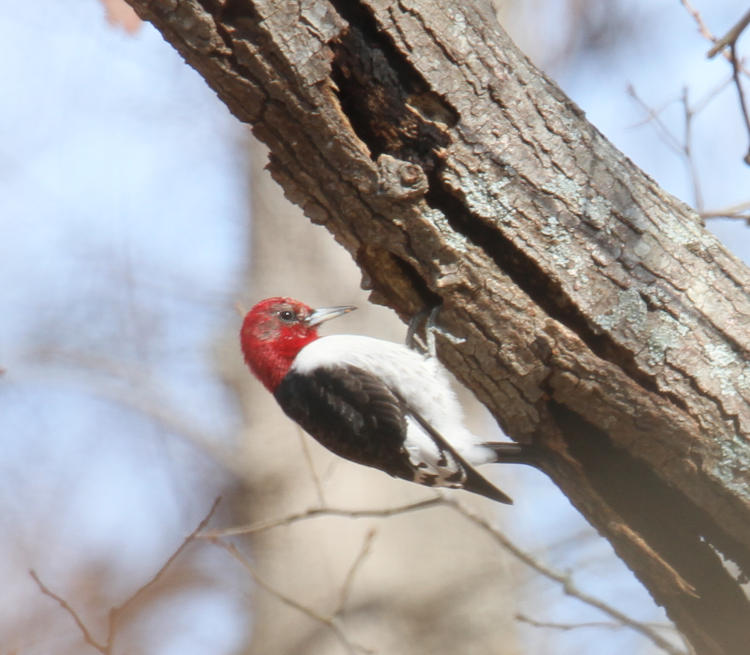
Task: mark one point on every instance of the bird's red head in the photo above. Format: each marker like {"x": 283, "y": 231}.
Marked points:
{"x": 275, "y": 330}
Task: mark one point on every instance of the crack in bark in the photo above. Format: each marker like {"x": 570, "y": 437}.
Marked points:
{"x": 387, "y": 104}
{"x": 539, "y": 287}
{"x": 380, "y": 117}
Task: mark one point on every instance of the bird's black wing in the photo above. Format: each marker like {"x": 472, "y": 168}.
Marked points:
{"x": 350, "y": 412}
{"x": 355, "y": 415}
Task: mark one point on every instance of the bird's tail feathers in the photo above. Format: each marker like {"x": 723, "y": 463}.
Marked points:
{"x": 508, "y": 452}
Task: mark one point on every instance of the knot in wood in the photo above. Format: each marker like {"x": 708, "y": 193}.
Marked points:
{"x": 400, "y": 179}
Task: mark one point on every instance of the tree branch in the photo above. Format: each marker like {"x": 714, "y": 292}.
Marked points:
{"x": 116, "y": 612}
{"x": 736, "y": 65}
{"x": 728, "y": 44}
{"x": 330, "y": 622}
{"x": 315, "y": 512}
{"x": 565, "y": 581}
{"x": 730, "y": 38}
{"x": 87, "y": 637}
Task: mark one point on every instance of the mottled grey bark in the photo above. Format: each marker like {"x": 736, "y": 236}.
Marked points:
{"x": 602, "y": 321}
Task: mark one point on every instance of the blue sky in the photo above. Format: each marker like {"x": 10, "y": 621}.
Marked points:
{"x": 124, "y": 226}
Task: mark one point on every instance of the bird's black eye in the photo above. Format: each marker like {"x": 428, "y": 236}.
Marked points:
{"x": 287, "y": 315}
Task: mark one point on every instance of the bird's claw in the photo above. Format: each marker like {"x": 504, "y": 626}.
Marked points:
{"x": 413, "y": 340}
{"x": 427, "y": 345}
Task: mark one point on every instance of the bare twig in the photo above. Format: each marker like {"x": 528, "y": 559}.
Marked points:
{"x": 331, "y": 622}
{"x": 712, "y": 214}
{"x": 315, "y": 512}
{"x": 710, "y": 95}
{"x": 683, "y": 148}
{"x": 702, "y": 27}
{"x": 611, "y": 625}
{"x": 707, "y": 34}
{"x": 740, "y": 211}
{"x": 569, "y": 588}
{"x": 687, "y": 146}
{"x": 727, "y": 45}
{"x": 730, "y": 38}
{"x": 116, "y": 612}
{"x": 346, "y": 588}
{"x": 653, "y": 116}
{"x": 740, "y": 92}
{"x": 102, "y": 648}
{"x": 311, "y": 466}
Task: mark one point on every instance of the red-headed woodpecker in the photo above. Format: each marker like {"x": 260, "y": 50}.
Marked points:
{"x": 373, "y": 402}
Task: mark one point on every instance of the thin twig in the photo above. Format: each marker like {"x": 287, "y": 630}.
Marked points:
{"x": 330, "y": 622}
{"x": 346, "y": 588}
{"x": 733, "y": 210}
{"x": 727, "y": 45}
{"x": 611, "y": 625}
{"x": 712, "y": 215}
{"x": 688, "y": 149}
{"x": 736, "y": 212}
{"x": 684, "y": 148}
{"x": 116, "y": 612}
{"x": 710, "y": 95}
{"x": 102, "y": 648}
{"x": 739, "y": 211}
{"x": 707, "y": 34}
{"x": 740, "y": 92}
{"x": 730, "y": 38}
{"x": 702, "y": 27}
{"x": 303, "y": 439}
{"x": 315, "y": 512}
{"x": 654, "y": 117}
{"x": 569, "y": 588}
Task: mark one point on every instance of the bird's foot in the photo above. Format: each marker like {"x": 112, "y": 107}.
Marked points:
{"x": 413, "y": 340}
{"x": 427, "y": 345}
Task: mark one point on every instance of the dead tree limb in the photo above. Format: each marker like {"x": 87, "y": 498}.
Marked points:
{"x": 602, "y": 321}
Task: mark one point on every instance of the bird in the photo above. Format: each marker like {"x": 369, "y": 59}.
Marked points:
{"x": 371, "y": 401}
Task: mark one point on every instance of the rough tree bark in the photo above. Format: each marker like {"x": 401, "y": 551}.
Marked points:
{"x": 602, "y": 321}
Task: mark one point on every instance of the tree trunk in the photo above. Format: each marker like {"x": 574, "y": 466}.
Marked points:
{"x": 602, "y": 321}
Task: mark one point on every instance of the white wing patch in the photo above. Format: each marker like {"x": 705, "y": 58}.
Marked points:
{"x": 423, "y": 381}
{"x": 433, "y": 466}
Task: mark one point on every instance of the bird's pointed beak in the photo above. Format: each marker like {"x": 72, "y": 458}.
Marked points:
{"x": 327, "y": 313}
